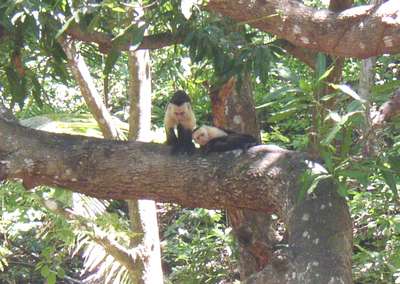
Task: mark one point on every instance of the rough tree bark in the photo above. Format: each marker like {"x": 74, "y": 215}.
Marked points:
{"x": 361, "y": 32}
{"x": 265, "y": 178}
{"x": 233, "y": 108}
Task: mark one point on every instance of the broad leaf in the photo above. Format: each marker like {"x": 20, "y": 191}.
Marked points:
{"x": 348, "y": 91}
{"x": 390, "y": 180}
{"x": 111, "y": 59}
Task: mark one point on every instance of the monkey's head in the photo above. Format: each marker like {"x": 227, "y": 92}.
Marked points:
{"x": 180, "y": 112}
{"x": 200, "y": 135}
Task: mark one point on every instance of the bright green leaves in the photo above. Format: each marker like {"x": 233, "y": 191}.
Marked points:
{"x": 195, "y": 242}
{"x": 309, "y": 181}
{"x": 230, "y": 52}
{"x": 132, "y": 35}
{"x": 339, "y": 123}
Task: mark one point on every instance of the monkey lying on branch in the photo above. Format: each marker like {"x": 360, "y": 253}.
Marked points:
{"x": 214, "y": 139}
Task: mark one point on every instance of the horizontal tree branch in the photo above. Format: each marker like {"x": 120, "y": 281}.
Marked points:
{"x": 125, "y": 170}
{"x": 361, "y": 32}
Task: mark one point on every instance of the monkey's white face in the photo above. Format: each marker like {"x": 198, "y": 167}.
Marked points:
{"x": 180, "y": 112}
{"x": 201, "y": 136}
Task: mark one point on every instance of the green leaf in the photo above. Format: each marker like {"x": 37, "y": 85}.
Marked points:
{"x": 338, "y": 126}
{"x": 278, "y": 116}
{"x": 94, "y": 22}
{"x": 137, "y": 35}
{"x": 390, "y": 180}
{"x": 111, "y": 59}
{"x": 386, "y": 88}
{"x": 309, "y": 182}
{"x": 305, "y": 86}
{"x": 327, "y": 156}
{"x": 348, "y": 91}
{"x": 60, "y": 272}
{"x": 394, "y": 162}
{"x": 342, "y": 189}
{"x": 326, "y": 74}
{"x": 360, "y": 175}
{"x": 36, "y": 89}
{"x": 51, "y": 279}
{"x": 45, "y": 271}
{"x": 132, "y": 35}
{"x": 317, "y": 179}
{"x": 320, "y": 65}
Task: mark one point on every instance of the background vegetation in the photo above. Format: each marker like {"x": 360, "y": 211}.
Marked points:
{"x": 38, "y": 243}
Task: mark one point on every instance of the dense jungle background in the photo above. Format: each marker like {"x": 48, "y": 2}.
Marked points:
{"x": 298, "y": 107}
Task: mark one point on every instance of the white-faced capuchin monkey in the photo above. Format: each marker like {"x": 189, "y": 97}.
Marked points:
{"x": 179, "y": 115}
{"x": 214, "y": 139}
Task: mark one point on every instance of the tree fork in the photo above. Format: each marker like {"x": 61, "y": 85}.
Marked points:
{"x": 264, "y": 179}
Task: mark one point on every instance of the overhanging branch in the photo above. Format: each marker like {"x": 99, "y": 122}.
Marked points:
{"x": 361, "y": 32}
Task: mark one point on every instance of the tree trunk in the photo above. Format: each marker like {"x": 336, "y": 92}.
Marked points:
{"x": 233, "y": 108}
{"x": 266, "y": 178}
{"x": 142, "y": 213}
{"x": 147, "y": 268}
{"x": 88, "y": 90}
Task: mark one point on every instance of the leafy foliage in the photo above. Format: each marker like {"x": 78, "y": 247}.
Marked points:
{"x": 199, "y": 248}
{"x": 293, "y": 108}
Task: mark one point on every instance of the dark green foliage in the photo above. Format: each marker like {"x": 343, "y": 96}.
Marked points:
{"x": 290, "y": 105}
{"x": 199, "y": 248}
{"x": 231, "y": 51}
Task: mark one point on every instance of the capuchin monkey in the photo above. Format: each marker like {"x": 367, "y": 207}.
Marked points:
{"x": 214, "y": 139}
{"x": 179, "y": 115}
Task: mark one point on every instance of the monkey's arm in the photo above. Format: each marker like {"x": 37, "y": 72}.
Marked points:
{"x": 185, "y": 140}
{"x": 170, "y": 124}
{"x": 172, "y": 140}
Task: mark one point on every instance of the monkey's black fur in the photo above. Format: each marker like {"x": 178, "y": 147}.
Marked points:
{"x": 182, "y": 143}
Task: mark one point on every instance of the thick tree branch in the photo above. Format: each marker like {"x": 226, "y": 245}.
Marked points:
{"x": 124, "y": 170}
{"x": 265, "y": 179}
{"x": 360, "y": 32}
{"x": 305, "y": 55}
